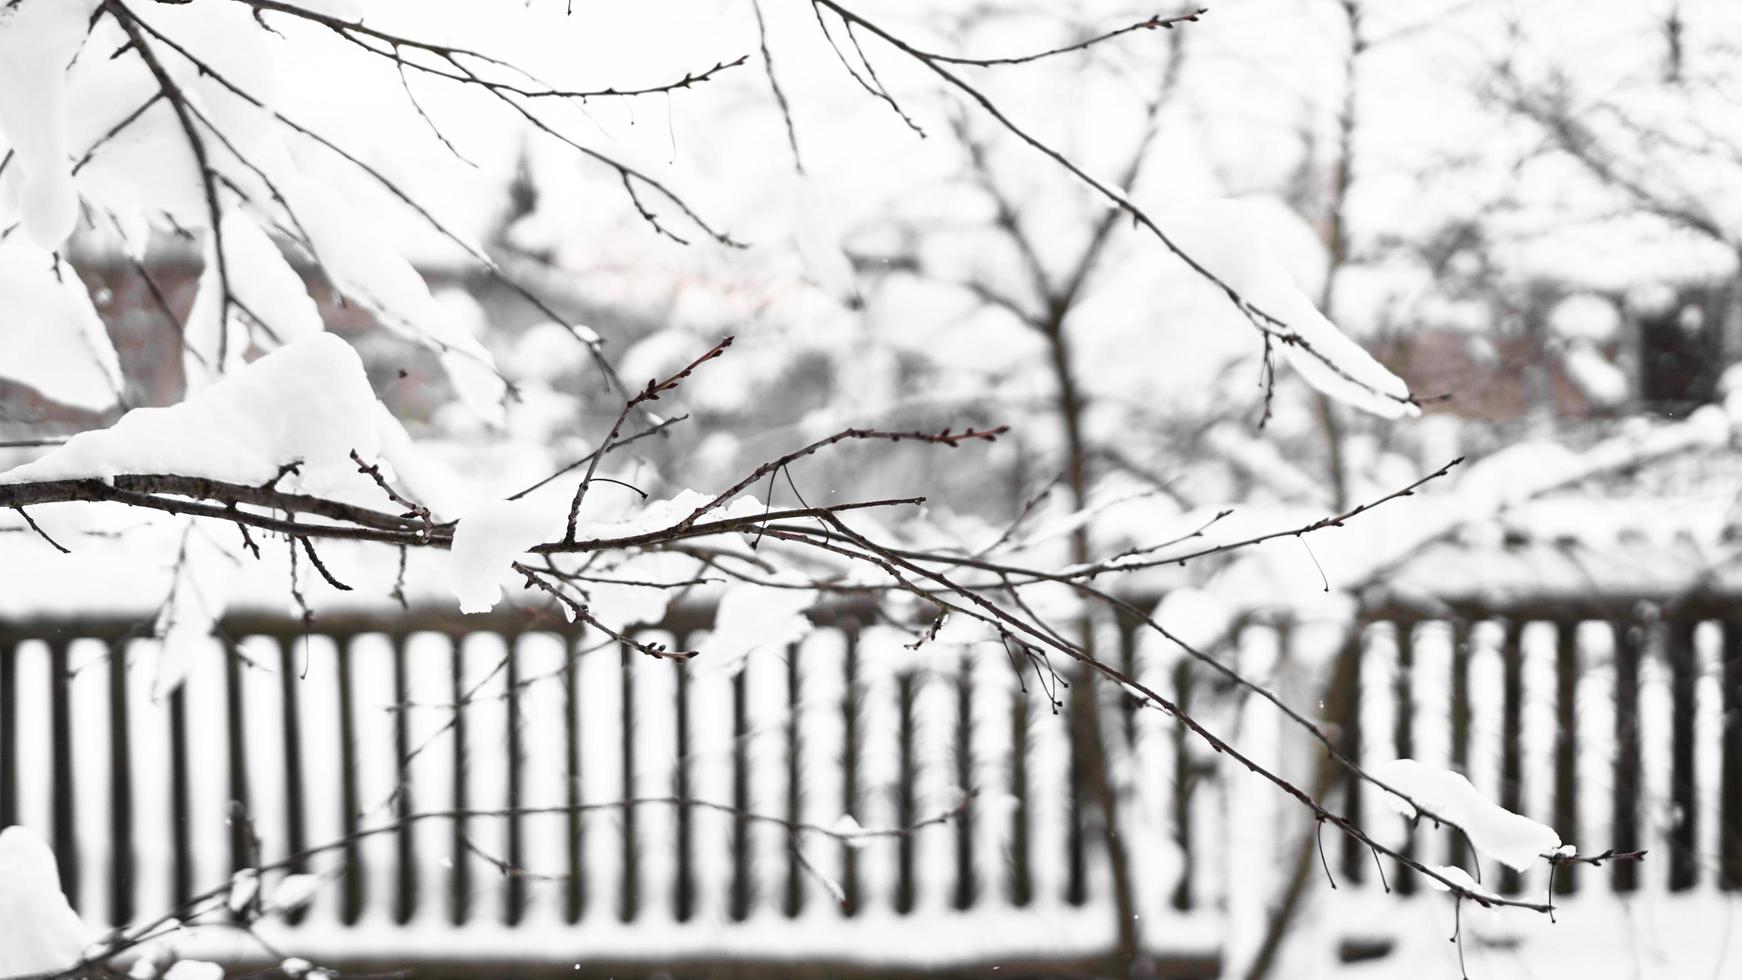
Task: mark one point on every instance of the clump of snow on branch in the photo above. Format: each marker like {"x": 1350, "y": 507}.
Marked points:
{"x": 1514, "y": 839}
{"x": 1225, "y": 238}
{"x": 308, "y": 403}
{"x": 50, "y": 335}
{"x": 38, "y": 39}
{"x": 487, "y": 541}
{"x": 660, "y": 514}
{"x": 198, "y": 596}
{"x": 1459, "y": 877}
{"x": 753, "y": 617}
{"x": 849, "y": 830}
{"x": 293, "y": 891}
{"x": 131, "y": 176}
{"x": 39, "y": 931}
{"x": 244, "y": 887}
{"x": 619, "y": 604}
{"x": 194, "y": 970}
{"x": 365, "y": 266}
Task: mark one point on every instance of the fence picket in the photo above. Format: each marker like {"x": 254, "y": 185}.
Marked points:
{"x": 1656, "y": 754}
{"x": 1048, "y": 798}
{"x": 764, "y": 723}
{"x": 1158, "y": 841}
{"x": 1537, "y": 738}
{"x": 880, "y": 652}
{"x": 35, "y": 806}
{"x": 153, "y": 808}
{"x": 1431, "y": 736}
{"x": 654, "y": 739}
{"x": 1484, "y": 763}
{"x": 1594, "y": 738}
{"x": 542, "y": 704}
{"x": 935, "y": 788}
{"x": 374, "y": 863}
{"x": 1707, "y": 734}
{"x": 708, "y": 710}
{"x": 207, "y": 750}
{"x": 92, "y": 750}
{"x": 262, "y": 744}
{"x": 428, "y": 761}
{"x": 1730, "y": 788}
{"x": 599, "y": 719}
{"x": 820, "y": 787}
{"x": 320, "y": 734}
{"x": 483, "y": 762}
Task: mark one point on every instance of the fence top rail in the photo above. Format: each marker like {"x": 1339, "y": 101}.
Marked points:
{"x": 1627, "y": 607}
{"x": 1561, "y": 607}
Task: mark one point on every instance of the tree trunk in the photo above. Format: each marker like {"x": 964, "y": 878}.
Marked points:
{"x": 1087, "y": 731}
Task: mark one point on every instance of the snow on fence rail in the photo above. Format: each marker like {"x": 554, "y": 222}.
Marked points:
{"x": 1605, "y": 719}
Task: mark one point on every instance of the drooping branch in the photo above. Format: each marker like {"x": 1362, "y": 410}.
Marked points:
{"x": 185, "y": 115}
{"x": 1158, "y": 21}
{"x": 630, "y": 176}
{"x": 650, "y": 393}
{"x": 360, "y": 34}
{"x": 1264, "y": 322}
{"x": 977, "y": 606}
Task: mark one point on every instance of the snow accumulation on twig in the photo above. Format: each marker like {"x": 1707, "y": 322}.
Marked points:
{"x": 1515, "y": 840}
{"x": 245, "y": 429}
{"x": 39, "y": 931}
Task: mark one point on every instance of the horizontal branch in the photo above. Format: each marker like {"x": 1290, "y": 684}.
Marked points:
{"x": 1158, "y": 21}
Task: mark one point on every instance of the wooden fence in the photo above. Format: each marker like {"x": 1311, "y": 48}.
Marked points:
{"x": 1619, "y": 721}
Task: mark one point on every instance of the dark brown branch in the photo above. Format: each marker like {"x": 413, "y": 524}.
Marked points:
{"x": 356, "y": 31}
{"x": 1153, "y": 23}
{"x": 320, "y": 566}
{"x": 584, "y": 613}
{"x": 373, "y": 471}
{"x": 1335, "y": 520}
{"x": 40, "y": 532}
{"x": 946, "y": 437}
{"x": 392, "y": 187}
{"x": 987, "y": 611}
{"x": 651, "y": 393}
{"x": 774, "y": 86}
{"x": 655, "y": 429}
{"x": 197, "y": 144}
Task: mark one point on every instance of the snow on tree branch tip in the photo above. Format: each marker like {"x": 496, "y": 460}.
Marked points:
{"x": 307, "y": 404}
{"x": 1224, "y": 237}
{"x": 39, "y": 931}
{"x": 1514, "y": 839}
